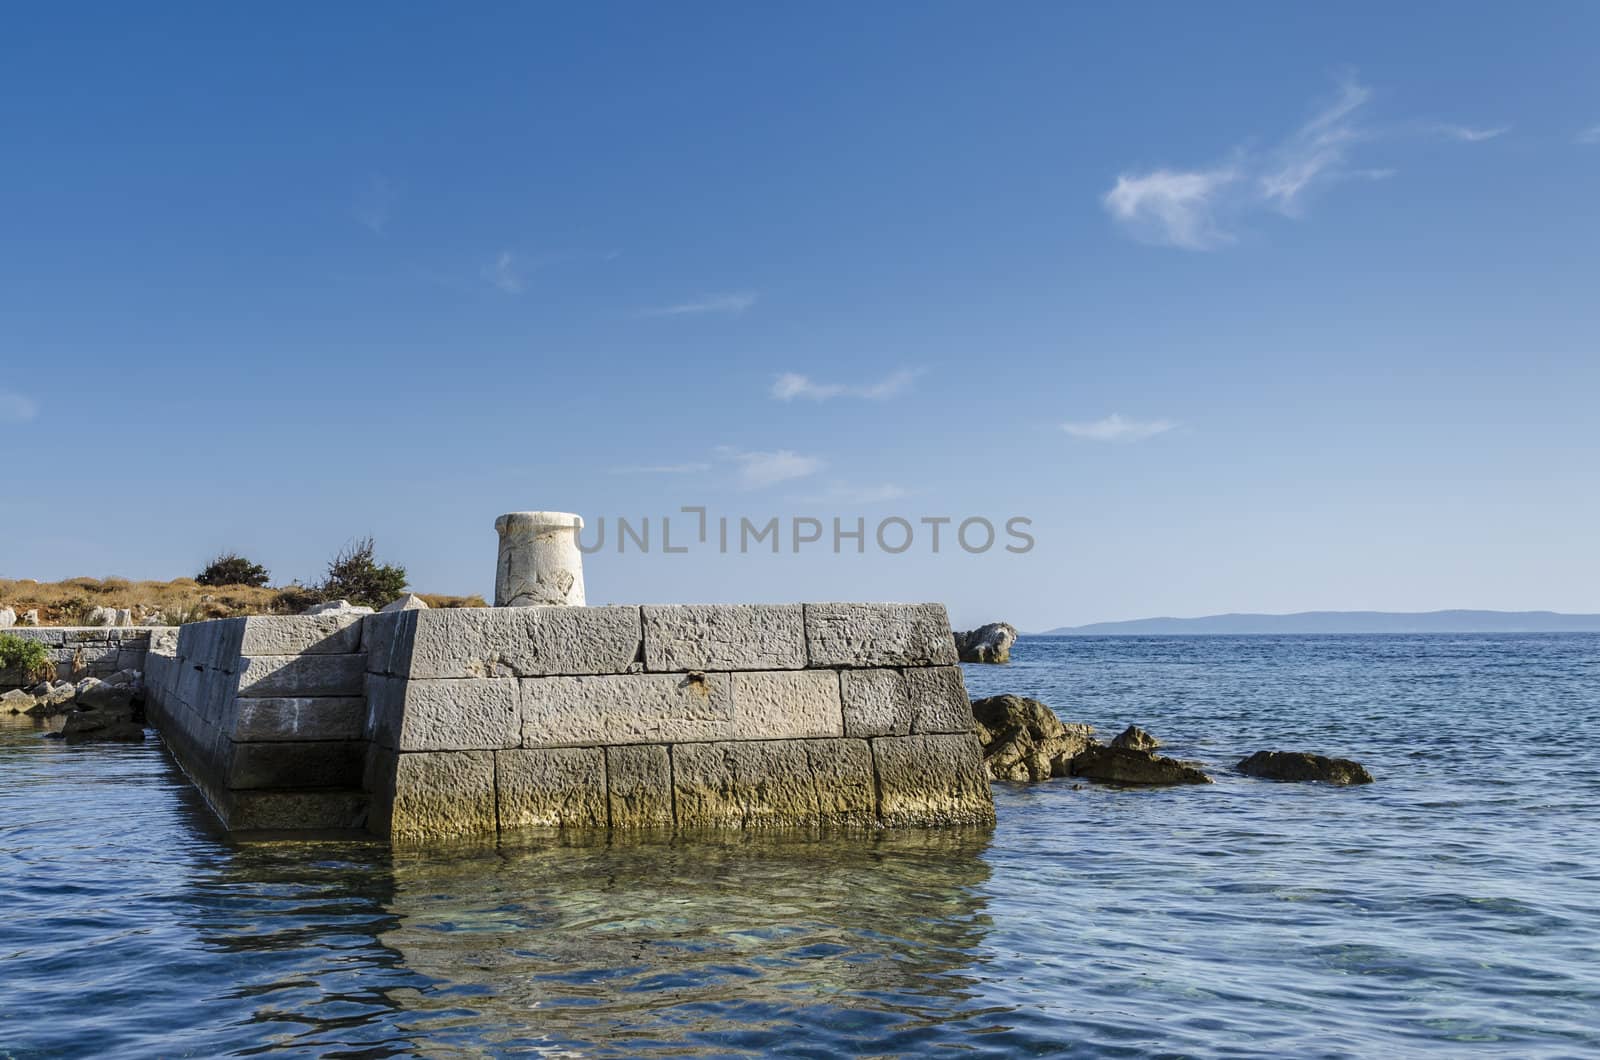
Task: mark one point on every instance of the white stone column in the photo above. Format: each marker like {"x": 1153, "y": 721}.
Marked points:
{"x": 539, "y": 560}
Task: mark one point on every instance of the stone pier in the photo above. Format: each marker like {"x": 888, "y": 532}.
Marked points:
{"x": 433, "y": 724}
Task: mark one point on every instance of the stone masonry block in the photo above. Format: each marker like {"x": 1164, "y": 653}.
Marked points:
{"x": 931, "y": 780}
{"x": 746, "y": 784}
{"x": 786, "y": 704}
{"x": 451, "y": 715}
{"x": 298, "y": 718}
{"x": 517, "y": 642}
{"x": 625, "y": 709}
{"x": 302, "y": 675}
{"x": 380, "y": 633}
{"x": 724, "y": 637}
{"x": 639, "y": 786}
{"x": 866, "y": 635}
{"x": 321, "y": 764}
{"x": 442, "y": 795}
{"x": 556, "y": 787}
{"x": 876, "y": 703}
{"x": 301, "y": 635}
{"x": 846, "y": 788}
{"x": 939, "y": 700}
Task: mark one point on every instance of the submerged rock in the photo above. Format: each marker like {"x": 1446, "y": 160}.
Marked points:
{"x": 84, "y": 726}
{"x": 16, "y": 701}
{"x": 1300, "y": 766}
{"x": 986, "y": 644}
{"x": 1124, "y": 765}
{"x": 1135, "y": 738}
{"x": 1022, "y": 738}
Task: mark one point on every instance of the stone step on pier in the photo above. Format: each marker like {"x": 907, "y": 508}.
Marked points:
{"x": 433, "y": 724}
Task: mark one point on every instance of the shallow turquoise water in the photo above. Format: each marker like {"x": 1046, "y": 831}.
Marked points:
{"x": 1451, "y": 909}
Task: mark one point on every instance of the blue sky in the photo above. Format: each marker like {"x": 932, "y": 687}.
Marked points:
{"x": 1244, "y": 307}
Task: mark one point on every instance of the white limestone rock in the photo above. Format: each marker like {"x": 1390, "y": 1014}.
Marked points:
{"x": 8, "y": 618}
{"x": 29, "y": 617}
{"x": 337, "y": 607}
{"x": 686, "y": 637}
{"x": 408, "y": 602}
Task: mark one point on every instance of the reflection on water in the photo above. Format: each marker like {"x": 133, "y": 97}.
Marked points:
{"x": 1448, "y": 910}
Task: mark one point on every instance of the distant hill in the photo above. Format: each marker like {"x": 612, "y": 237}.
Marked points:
{"x": 1345, "y": 622}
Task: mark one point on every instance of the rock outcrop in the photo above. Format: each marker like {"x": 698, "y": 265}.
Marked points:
{"x": 8, "y": 618}
{"x": 1303, "y": 767}
{"x": 1126, "y": 765}
{"x": 1022, "y": 739}
{"x": 408, "y": 602}
{"x": 337, "y": 607}
{"x": 986, "y": 644}
{"x": 94, "y": 709}
{"x": 1136, "y": 739}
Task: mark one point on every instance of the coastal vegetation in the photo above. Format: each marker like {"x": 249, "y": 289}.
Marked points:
{"x": 27, "y": 657}
{"x": 230, "y": 568}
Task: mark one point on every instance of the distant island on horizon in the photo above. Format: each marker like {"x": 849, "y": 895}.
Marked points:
{"x": 1458, "y": 621}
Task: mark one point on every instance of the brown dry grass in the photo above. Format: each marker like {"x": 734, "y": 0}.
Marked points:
{"x": 67, "y": 603}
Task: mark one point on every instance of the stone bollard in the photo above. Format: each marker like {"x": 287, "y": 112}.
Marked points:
{"x": 539, "y": 560}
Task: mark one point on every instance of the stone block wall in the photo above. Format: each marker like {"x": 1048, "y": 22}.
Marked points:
{"x": 434, "y": 724}
{"x": 713, "y": 716}
{"x": 84, "y": 651}
{"x": 265, "y": 714}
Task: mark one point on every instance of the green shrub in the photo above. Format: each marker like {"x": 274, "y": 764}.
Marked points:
{"x": 230, "y": 568}
{"x": 356, "y": 576}
{"x": 29, "y": 657}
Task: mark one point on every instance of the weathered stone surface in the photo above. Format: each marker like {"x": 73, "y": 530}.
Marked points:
{"x": 337, "y": 607}
{"x": 876, "y": 703}
{"x": 748, "y": 784}
{"x": 408, "y": 602}
{"x": 442, "y": 794}
{"x": 295, "y": 811}
{"x": 1123, "y": 765}
{"x": 724, "y": 637}
{"x": 934, "y": 779}
{"x": 17, "y": 701}
{"x": 786, "y": 704}
{"x": 105, "y": 696}
{"x": 1300, "y": 766}
{"x": 30, "y": 617}
{"x": 987, "y": 644}
{"x": 846, "y": 789}
{"x": 1136, "y": 738}
{"x": 864, "y": 635}
{"x": 266, "y": 676}
{"x": 939, "y": 701}
{"x": 450, "y": 715}
{"x": 626, "y": 708}
{"x": 305, "y": 764}
{"x": 1022, "y": 739}
{"x": 109, "y": 616}
{"x": 555, "y": 787}
{"x": 517, "y": 642}
{"x": 639, "y": 786}
{"x": 539, "y": 561}
{"x": 299, "y": 718}
{"x": 337, "y": 633}
{"x": 8, "y": 618}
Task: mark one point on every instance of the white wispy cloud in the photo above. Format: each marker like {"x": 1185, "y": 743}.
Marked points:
{"x": 731, "y": 304}
{"x": 503, "y": 273}
{"x": 1469, "y": 134}
{"x": 662, "y": 469}
{"x": 375, "y": 202}
{"x": 758, "y": 469}
{"x": 1114, "y": 428}
{"x": 17, "y": 408}
{"x": 1591, "y": 135}
{"x": 1172, "y": 207}
{"x": 1200, "y": 208}
{"x": 791, "y": 385}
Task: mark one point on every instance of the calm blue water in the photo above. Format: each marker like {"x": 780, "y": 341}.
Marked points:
{"x": 1452, "y": 909}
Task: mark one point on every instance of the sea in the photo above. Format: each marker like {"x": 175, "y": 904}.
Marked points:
{"x": 1451, "y": 909}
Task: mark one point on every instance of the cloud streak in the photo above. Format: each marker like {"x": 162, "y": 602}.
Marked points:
{"x": 1114, "y": 428}
{"x": 732, "y": 303}
{"x": 17, "y": 408}
{"x": 758, "y": 469}
{"x": 502, "y": 273}
{"x": 792, "y": 385}
{"x": 1199, "y": 209}
{"x": 1589, "y": 136}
